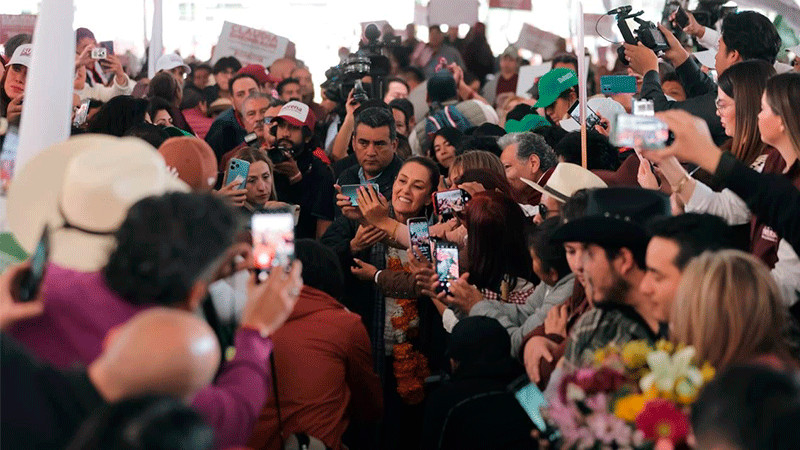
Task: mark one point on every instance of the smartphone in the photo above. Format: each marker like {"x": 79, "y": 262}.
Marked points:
{"x": 644, "y": 132}
{"x": 99, "y": 53}
{"x": 618, "y": 84}
{"x": 351, "y": 190}
{"x": 81, "y": 114}
{"x": 237, "y": 171}
{"x": 32, "y": 280}
{"x": 446, "y": 254}
{"x": 532, "y": 400}
{"x": 446, "y": 203}
{"x": 273, "y": 240}
{"x": 681, "y": 18}
{"x": 109, "y": 46}
{"x": 419, "y": 235}
{"x": 592, "y": 118}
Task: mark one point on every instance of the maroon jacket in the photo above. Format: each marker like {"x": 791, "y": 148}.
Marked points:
{"x": 323, "y": 369}
{"x": 763, "y": 240}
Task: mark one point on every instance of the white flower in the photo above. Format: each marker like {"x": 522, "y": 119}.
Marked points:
{"x": 666, "y": 370}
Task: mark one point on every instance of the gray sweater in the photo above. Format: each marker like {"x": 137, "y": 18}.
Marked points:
{"x": 521, "y": 320}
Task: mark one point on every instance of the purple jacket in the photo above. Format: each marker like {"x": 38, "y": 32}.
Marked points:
{"x": 79, "y": 310}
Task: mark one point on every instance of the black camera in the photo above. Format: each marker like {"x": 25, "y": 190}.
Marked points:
{"x": 279, "y": 154}
{"x": 647, "y": 33}
{"x": 367, "y": 61}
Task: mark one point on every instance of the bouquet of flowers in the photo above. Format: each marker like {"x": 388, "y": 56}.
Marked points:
{"x": 629, "y": 397}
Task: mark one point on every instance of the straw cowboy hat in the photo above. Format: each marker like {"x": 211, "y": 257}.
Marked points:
{"x": 82, "y": 189}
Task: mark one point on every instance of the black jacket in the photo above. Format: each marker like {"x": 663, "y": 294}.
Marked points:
{"x": 700, "y": 105}
{"x": 41, "y": 406}
{"x": 476, "y": 410}
{"x": 771, "y": 197}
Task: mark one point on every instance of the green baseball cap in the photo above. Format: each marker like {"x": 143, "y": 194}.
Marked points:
{"x": 553, "y": 83}
{"x": 527, "y": 123}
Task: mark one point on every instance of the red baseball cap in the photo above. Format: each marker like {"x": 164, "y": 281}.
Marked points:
{"x": 298, "y": 114}
{"x": 256, "y": 71}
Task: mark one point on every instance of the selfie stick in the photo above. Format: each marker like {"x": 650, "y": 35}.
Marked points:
{"x": 580, "y": 52}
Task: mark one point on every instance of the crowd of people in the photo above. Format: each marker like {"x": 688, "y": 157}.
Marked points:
{"x": 150, "y": 329}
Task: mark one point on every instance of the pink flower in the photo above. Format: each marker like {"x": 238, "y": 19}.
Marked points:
{"x": 660, "y": 419}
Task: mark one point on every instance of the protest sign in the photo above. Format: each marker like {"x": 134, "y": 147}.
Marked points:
{"x": 511, "y": 4}
{"x": 249, "y": 45}
{"x": 452, "y": 12}
{"x": 528, "y": 75}
{"x": 420, "y": 14}
{"x": 14, "y": 24}
{"x": 598, "y": 25}
{"x": 539, "y": 41}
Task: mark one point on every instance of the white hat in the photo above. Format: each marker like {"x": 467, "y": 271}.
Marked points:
{"x": 82, "y": 189}
{"x": 22, "y": 55}
{"x": 567, "y": 178}
{"x": 171, "y": 61}
{"x": 707, "y": 58}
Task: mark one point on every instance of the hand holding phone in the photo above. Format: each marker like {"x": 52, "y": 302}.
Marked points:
{"x": 446, "y": 203}
{"x": 273, "y": 241}
{"x": 592, "y": 118}
{"x": 446, "y": 260}
{"x": 237, "y": 170}
{"x": 681, "y": 18}
{"x": 419, "y": 235}
{"x": 640, "y": 132}
{"x": 12, "y": 310}
{"x": 351, "y": 190}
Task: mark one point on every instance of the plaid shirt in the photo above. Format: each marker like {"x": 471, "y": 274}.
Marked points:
{"x": 599, "y": 327}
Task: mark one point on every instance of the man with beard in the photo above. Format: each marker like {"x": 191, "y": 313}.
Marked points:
{"x": 300, "y": 177}
{"x": 615, "y": 238}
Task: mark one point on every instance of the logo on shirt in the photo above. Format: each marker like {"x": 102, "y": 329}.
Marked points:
{"x": 769, "y": 235}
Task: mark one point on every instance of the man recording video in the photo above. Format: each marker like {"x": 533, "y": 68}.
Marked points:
{"x": 745, "y": 35}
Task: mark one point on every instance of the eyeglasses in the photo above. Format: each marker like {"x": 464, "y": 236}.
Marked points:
{"x": 543, "y": 210}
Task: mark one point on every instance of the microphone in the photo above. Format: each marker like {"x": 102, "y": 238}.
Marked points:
{"x": 620, "y": 10}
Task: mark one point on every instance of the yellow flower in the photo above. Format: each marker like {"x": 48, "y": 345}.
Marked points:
{"x": 634, "y": 354}
{"x": 627, "y": 408}
{"x": 708, "y": 372}
{"x": 665, "y": 345}
{"x": 601, "y": 354}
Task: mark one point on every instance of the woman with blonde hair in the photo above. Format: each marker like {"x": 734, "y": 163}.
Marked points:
{"x": 730, "y": 309}
{"x": 476, "y": 159}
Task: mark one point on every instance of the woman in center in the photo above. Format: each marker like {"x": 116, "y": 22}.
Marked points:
{"x": 405, "y": 330}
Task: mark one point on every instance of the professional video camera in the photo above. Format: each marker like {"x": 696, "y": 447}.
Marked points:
{"x": 367, "y": 61}
{"x": 647, "y": 33}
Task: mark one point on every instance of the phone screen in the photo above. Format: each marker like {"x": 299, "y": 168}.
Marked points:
{"x": 591, "y": 117}
{"x": 639, "y": 131}
{"x": 32, "y": 281}
{"x": 448, "y": 202}
{"x": 532, "y": 401}
{"x": 351, "y": 190}
{"x": 419, "y": 235}
{"x": 446, "y": 263}
{"x": 273, "y": 241}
